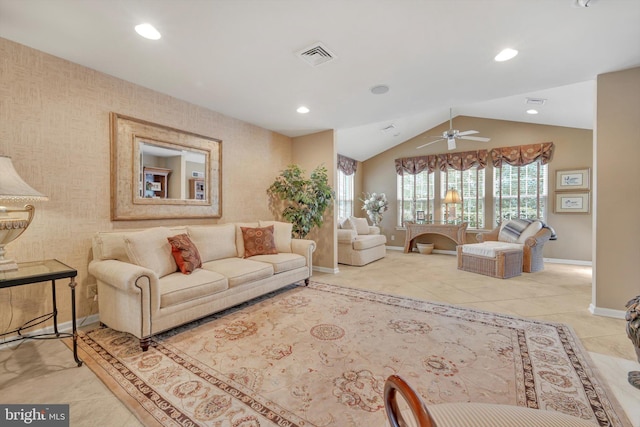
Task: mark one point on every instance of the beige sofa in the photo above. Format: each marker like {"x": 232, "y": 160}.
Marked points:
{"x": 359, "y": 243}
{"x": 142, "y": 292}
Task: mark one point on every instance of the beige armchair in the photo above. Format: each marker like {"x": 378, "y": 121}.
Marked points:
{"x": 533, "y": 244}
{"x": 359, "y": 243}
{"x": 411, "y": 411}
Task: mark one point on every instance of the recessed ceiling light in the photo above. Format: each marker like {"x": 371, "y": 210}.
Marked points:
{"x": 506, "y": 55}
{"x": 303, "y": 110}
{"x": 148, "y": 31}
{"x": 379, "y": 89}
{"x": 532, "y": 111}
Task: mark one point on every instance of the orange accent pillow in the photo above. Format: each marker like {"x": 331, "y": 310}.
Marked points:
{"x": 258, "y": 241}
{"x": 185, "y": 253}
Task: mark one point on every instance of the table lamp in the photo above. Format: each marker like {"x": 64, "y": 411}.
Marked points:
{"x": 13, "y": 189}
{"x": 452, "y": 196}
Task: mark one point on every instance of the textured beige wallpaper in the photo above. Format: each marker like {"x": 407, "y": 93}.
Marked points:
{"x": 54, "y": 123}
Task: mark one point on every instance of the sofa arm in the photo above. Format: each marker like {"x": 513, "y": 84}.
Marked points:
{"x": 346, "y": 235}
{"x": 540, "y": 238}
{"x": 305, "y": 248}
{"x": 121, "y": 275}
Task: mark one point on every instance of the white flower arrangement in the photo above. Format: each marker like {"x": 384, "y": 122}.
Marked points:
{"x": 375, "y": 204}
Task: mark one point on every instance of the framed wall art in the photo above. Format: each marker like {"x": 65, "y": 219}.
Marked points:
{"x": 572, "y": 179}
{"x": 572, "y": 202}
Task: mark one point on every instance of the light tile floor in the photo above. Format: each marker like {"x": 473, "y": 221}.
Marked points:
{"x": 44, "y": 371}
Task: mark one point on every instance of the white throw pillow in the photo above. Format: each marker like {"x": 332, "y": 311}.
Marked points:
{"x": 281, "y": 233}
{"x": 530, "y": 231}
{"x": 151, "y": 249}
{"x": 360, "y": 225}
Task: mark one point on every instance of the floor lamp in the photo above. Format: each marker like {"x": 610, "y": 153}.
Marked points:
{"x": 452, "y": 197}
{"x": 13, "y": 189}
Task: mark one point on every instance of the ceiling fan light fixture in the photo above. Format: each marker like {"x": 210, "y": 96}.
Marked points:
{"x": 506, "y": 54}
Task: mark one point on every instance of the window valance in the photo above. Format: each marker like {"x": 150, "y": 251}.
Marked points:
{"x": 463, "y": 161}
{"x": 347, "y": 165}
{"x": 522, "y": 155}
{"x": 415, "y": 165}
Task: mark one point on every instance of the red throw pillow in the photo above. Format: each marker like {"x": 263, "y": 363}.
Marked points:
{"x": 185, "y": 253}
{"x": 258, "y": 241}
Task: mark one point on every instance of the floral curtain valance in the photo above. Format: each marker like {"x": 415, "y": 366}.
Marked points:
{"x": 522, "y": 155}
{"x": 415, "y": 165}
{"x": 463, "y": 161}
{"x": 347, "y": 165}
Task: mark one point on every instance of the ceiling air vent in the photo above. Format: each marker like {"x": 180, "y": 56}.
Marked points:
{"x": 316, "y": 54}
{"x": 536, "y": 101}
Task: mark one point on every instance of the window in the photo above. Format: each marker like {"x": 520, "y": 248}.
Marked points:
{"x": 344, "y": 195}
{"x": 520, "y": 191}
{"x": 415, "y": 193}
{"x": 470, "y": 185}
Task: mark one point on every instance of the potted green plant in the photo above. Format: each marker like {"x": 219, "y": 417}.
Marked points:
{"x": 305, "y": 200}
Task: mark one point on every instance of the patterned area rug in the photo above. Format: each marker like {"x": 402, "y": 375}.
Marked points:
{"x": 319, "y": 356}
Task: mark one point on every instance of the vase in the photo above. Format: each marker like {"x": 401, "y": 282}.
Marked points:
{"x": 375, "y": 218}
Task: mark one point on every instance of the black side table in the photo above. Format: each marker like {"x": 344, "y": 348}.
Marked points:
{"x": 43, "y": 271}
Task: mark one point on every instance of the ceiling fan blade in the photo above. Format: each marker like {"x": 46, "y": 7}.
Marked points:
{"x": 429, "y": 143}
{"x": 467, "y": 132}
{"x": 476, "y": 138}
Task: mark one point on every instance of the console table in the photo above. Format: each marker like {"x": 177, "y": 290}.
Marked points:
{"x": 36, "y": 272}
{"x": 456, "y": 232}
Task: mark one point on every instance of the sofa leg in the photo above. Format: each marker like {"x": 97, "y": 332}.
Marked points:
{"x": 144, "y": 343}
{"x": 306, "y": 282}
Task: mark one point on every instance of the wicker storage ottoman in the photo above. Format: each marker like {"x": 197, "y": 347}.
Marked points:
{"x": 505, "y": 264}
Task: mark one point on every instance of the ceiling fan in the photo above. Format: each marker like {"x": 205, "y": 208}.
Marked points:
{"x": 452, "y": 134}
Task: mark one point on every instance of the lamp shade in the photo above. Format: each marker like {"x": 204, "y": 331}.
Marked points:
{"x": 12, "y": 187}
{"x": 452, "y": 196}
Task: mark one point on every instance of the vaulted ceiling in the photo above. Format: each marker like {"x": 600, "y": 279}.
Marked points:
{"x": 241, "y": 57}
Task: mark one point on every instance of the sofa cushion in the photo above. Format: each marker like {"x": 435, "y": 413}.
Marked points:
{"x": 110, "y": 246}
{"x": 258, "y": 241}
{"x": 346, "y": 236}
{"x": 489, "y": 249}
{"x": 214, "y": 241}
{"x": 366, "y": 242}
{"x": 281, "y": 233}
{"x": 239, "y": 271}
{"x": 185, "y": 253}
{"x": 239, "y": 239}
{"x": 282, "y": 261}
{"x": 177, "y": 288}
{"x": 360, "y": 225}
{"x": 151, "y": 249}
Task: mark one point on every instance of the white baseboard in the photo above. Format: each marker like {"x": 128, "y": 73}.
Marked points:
{"x": 326, "y": 270}
{"x": 568, "y": 261}
{"x": 395, "y": 248}
{"x": 62, "y": 327}
{"x": 606, "y": 312}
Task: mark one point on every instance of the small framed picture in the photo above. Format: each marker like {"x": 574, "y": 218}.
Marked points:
{"x": 156, "y": 186}
{"x": 572, "y": 203}
{"x": 420, "y": 216}
{"x": 572, "y": 179}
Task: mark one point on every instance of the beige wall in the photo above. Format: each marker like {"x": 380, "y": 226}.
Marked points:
{"x": 54, "y": 123}
{"x": 573, "y": 149}
{"x": 617, "y": 149}
{"x": 309, "y": 152}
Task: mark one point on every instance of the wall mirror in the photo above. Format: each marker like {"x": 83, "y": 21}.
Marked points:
{"x": 160, "y": 172}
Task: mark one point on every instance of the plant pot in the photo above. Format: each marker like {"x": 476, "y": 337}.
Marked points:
{"x": 425, "y": 248}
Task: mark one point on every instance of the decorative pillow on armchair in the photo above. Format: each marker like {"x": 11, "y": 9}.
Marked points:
{"x": 360, "y": 225}
{"x": 258, "y": 241}
{"x": 185, "y": 253}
